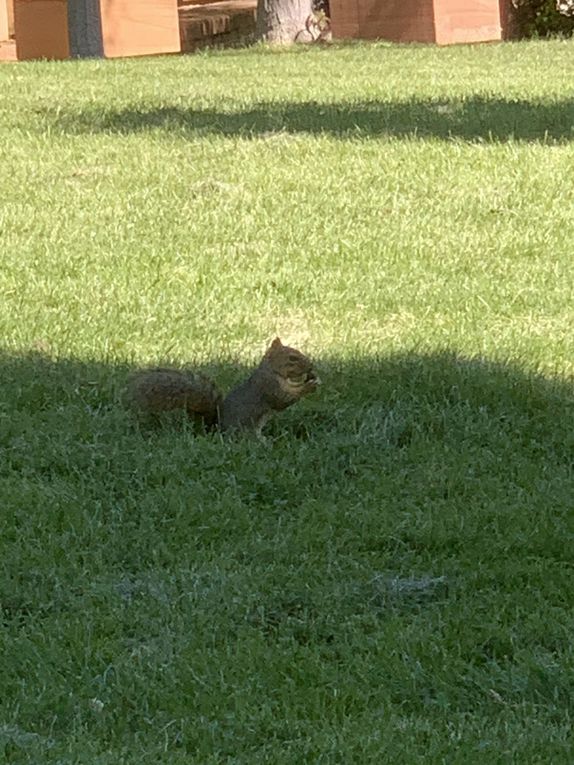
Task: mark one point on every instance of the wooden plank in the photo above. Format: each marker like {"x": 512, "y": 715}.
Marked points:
{"x": 4, "y": 30}
{"x": 41, "y": 28}
{"x": 10, "y": 5}
{"x": 7, "y": 51}
{"x": 139, "y": 28}
{"x": 397, "y": 20}
{"x": 458, "y": 21}
{"x": 425, "y": 21}
{"x": 344, "y": 18}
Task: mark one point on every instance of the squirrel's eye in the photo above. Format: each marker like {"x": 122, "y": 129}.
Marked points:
{"x": 293, "y": 359}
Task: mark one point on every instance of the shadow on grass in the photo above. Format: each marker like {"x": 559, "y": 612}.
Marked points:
{"x": 410, "y": 463}
{"x": 474, "y": 119}
{"x": 418, "y": 507}
{"x": 435, "y": 434}
{"x": 363, "y": 393}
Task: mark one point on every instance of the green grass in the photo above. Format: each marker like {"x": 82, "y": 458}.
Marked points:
{"x": 389, "y": 577}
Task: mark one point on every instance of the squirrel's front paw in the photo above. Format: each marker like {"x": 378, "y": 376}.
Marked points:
{"x": 311, "y": 383}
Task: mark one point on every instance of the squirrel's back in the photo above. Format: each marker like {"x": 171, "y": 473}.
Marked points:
{"x": 161, "y": 389}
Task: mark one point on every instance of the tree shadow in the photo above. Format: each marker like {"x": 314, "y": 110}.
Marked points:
{"x": 473, "y": 119}
{"x": 411, "y": 462}
{"x": 358, "y": 397}
{"x": 419, "y": 505}
{"x": 429, "y": 436}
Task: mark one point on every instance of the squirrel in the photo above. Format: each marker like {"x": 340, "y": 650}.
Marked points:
{"x": 283, "y": 376}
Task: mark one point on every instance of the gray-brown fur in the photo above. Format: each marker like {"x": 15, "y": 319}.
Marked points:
{"x": 251, "y": 403}
{"x": 283, "y": 377}
{"x": 153, "y": 391}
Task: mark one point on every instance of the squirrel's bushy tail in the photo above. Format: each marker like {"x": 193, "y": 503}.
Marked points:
{"x": 157, "y": 390}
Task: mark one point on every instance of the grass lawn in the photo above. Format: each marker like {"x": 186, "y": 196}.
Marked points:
{"x": 389, "y": 579}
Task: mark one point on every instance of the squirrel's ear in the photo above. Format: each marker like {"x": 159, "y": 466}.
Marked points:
{"x": 276, "y": 343}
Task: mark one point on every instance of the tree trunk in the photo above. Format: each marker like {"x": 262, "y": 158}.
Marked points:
{"x": 283, "y": 21}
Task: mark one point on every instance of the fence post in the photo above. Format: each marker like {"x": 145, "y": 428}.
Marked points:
{"x": 85, "y": 29}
